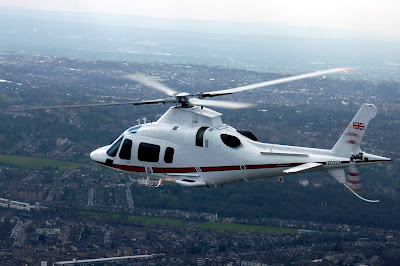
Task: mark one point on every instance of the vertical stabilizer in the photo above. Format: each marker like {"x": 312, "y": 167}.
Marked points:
{"x": 349, "y": 143}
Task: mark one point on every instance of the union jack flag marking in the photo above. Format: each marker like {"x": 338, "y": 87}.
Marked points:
{"x": 358, "y": 126}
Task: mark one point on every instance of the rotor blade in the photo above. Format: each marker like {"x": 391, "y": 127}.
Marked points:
{"x": 221, "y": 104}
{"x": 156, "y": 101}
{"x": 274, "y": 82}
{"x": 91, "y": 105}
{"x": 152, "y": 83}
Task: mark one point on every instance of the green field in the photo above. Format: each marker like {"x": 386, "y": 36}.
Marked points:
{"x": 182, "y": 223}
{"x": 37, "y": 163}
{"x": 247, "y": 228}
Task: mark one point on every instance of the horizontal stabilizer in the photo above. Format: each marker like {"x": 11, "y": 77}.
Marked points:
{"x": 301, "y": 167}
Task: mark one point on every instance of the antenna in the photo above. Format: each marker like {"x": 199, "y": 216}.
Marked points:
{"x": 272, "y": 146}
{"x": 364, "y": 199}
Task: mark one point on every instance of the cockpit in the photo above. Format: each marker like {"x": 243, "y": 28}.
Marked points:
{"x": 125, "y": 152}
{"x": 128, "y": 147}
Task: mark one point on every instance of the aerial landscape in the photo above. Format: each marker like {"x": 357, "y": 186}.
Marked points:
{"x": 57, "y": 205}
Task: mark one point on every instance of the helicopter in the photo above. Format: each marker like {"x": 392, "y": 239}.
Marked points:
{"x": 190, "y": 145}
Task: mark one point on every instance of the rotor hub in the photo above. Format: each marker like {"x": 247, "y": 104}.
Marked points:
{"x": 182, "y": 94}
{"x": 183, "y": 99}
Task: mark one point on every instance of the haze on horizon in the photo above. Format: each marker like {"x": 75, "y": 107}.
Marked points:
{"x": 368, "y": 19}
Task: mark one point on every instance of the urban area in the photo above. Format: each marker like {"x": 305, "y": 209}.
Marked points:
{"x": 57, "y": 206}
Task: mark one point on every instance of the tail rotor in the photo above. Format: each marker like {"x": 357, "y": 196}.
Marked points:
{"x": 353, "y": 180}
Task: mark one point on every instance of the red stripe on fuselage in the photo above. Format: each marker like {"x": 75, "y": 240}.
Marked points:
{"x": 174, "y": 170}
{"x": 203, "y": 169}
{"x": 140, "y": 169}
{"x": 219, "y": 168}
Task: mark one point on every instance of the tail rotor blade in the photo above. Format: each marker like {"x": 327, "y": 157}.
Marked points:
{"x": 353, "y": 179}
{"x": 353, "y": 183}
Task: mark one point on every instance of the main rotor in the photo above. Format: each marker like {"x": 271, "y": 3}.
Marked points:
{"x": 184, "y": 99}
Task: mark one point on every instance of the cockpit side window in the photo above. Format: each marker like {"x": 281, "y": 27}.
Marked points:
{"x": 112, "y": 151}
{"x": 125, "y": 152}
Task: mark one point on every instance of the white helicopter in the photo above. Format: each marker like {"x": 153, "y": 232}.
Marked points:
{"x": 189, "y": 145}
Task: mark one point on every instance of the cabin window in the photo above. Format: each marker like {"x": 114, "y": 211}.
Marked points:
{"x": 199, "y": 136}
{"x": 112, "y": 151}
{"x": 125, "y": 152}
{"x": 230, "y": 140}
{"x": 148, "y": 152}
{"x": 169, "y": 155}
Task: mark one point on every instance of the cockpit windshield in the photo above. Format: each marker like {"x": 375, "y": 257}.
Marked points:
{"x": 112, "y": 151}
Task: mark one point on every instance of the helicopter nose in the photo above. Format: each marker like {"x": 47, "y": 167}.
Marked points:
{"x": 99, "y": 155}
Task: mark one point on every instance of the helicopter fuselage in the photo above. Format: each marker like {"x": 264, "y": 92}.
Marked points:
{"x": 192, "y": 147}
